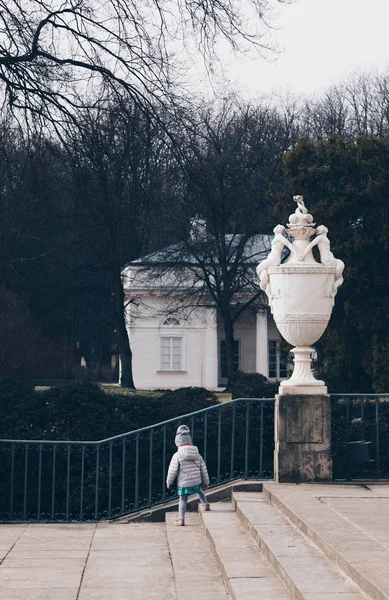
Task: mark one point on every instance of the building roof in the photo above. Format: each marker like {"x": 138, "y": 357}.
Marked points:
{"x": 256, "y": 249}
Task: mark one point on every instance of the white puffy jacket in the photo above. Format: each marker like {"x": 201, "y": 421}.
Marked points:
{"x": 188, "y": 464}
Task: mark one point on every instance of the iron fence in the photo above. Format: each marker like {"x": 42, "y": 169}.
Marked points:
{"x": 81, "y": 481}
{"x": 360, "y": 417}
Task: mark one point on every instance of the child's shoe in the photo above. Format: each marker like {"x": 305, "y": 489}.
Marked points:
{"x": 180, "y": 522}
{"x": 206, "y": 507}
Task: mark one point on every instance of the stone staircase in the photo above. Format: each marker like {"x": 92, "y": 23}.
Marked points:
{"x": 284, "y": 542}
{"x": 309, "y": 541}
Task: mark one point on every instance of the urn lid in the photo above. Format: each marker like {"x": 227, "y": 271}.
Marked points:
{"x": 300, "y": 225}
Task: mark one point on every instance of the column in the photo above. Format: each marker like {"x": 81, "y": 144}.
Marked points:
{"x": 262, "y": 365}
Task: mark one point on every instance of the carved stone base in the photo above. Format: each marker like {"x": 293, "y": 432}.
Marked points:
{"x": 302, "y": 380}
{"x": 303, "y": 438}
{"x": 296, "y": 390}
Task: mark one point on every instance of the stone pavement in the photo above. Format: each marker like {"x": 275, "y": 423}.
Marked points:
{"x": 85, "y": 562}
{"x": 291, "y": 541}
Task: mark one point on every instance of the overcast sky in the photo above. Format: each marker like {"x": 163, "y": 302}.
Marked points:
{"x": 322, "y": 41}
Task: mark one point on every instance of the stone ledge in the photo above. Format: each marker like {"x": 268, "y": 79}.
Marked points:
{"x": 303, "y": 390}
{"x": 340, "y": 539}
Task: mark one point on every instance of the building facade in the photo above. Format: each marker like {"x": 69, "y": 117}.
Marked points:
{"x": 177, "y": 343}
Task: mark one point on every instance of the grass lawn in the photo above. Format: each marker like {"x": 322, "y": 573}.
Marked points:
{"x": 111, "y": 388}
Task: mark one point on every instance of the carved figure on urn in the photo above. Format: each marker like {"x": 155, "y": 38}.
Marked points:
{"x": 279, "y": 242}
{"x": 326, "y": 256}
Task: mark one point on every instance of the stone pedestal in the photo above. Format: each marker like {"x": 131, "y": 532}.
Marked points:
{"x": 302, "y": 438}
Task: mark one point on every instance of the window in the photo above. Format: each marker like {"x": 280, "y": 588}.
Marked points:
{"x": 171, "y": 354}
{"x": 278, "y": 367}
{"x": 223, "y": 357}
{"x": 171, "y": 321}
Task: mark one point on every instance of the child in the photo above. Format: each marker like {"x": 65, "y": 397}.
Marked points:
{"x": 191, "y": 470}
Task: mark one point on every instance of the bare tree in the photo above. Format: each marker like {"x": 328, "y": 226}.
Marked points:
{"x": 357, "y": 107}
{"x": 55, "y": 56}
{"x": 231, "y": 156}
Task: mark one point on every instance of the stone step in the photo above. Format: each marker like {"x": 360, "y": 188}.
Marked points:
{"x": 304, "y": 569}
{"x": 245, "y": 570}
{"x": 156, "y": 514}
{"x": 196, "y": 573}
{"x": 350, "y": 524}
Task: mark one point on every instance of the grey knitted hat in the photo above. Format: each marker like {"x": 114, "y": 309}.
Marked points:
{"x": 183, "y": 436}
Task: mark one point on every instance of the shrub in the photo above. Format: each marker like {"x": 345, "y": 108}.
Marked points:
{"x": 252, "y": 385}
{"x": 186, "y": 400}
{"x": 83, "y": 411}
{"x": 18, "y": 409}
{"x": 11, "y": 391}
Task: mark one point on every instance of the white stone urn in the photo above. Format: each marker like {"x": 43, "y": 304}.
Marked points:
{"x": 301, "y": 292}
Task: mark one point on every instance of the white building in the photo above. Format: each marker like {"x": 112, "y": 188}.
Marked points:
{"x": 179, "y": 343}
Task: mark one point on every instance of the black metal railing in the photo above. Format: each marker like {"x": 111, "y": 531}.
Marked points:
{"x": 67, "y": 481}
{"x": 364, "y": 418}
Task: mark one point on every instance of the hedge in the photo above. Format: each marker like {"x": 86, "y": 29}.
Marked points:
{"x": 83, "y": 411}
{"x": 252, "y": 385}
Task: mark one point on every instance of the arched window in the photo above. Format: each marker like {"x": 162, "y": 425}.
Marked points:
{"x": 171, "y": 321}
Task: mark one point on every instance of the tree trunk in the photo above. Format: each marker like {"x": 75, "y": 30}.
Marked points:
{"x": 68, "y": 358}
{"x": 100, "y": 357}
{"x": 125, "y": 354}
{"x": 229, "y": 335}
